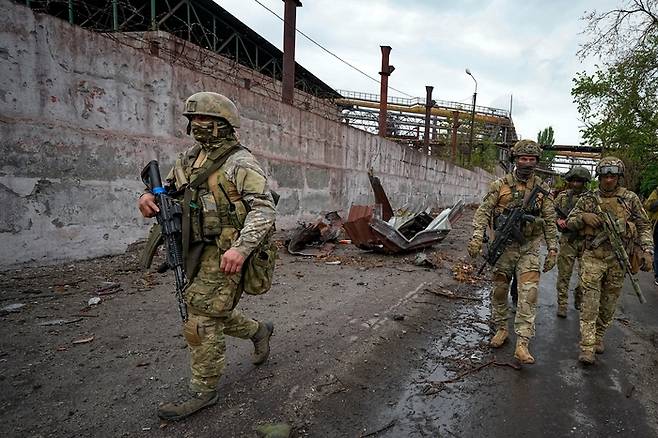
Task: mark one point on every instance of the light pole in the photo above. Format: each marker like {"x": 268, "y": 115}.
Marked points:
{"x": 475, "y": 94}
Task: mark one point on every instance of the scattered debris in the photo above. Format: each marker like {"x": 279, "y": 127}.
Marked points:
{"x": 334, "y": 262}
{"x": 376, "y": 228}
{"x": 380, "y": 430}
{"x": 316, "y": 235}
{"x": 427, "y": 261}
{"x": 12, "y": 308}
{"x": 143, "y": 364}
{"x": 434, "y": 386}
{"x": 83, "y": 340}
{"x": 58, "y": 322}
{"x": 398, "y": 317}
{"x": 450, "y": 294}
{"x": 93, "y": 301}
{"x": 464, "y": 272}
{"x": 109, "y": 288}
{"x": 274, "y": 430}
{"x": 630, "y": 391}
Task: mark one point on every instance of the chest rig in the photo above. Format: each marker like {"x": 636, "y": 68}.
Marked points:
{"x": 213, "y": 210}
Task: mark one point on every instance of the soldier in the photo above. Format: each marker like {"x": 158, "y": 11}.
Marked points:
{"x": 601, "y": 274}
{"x": 232, "y": 216}
{"x": 520, "y": 259}
{"x": 651, "y": 206}
{"x": 571, "y": 243}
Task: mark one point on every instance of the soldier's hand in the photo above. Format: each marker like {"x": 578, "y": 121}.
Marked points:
{"x": 147, "y": 205}
{"x": 232, "y": 262}
{"x": 551, "y": 260}
{"x": 592, "y": 219}
{"x": 562, "y": 224}
{"x": 646, "y": 261}
{"x": 474, "y": 247}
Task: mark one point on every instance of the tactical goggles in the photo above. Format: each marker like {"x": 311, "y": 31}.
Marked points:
{"x": 610, "y": 170}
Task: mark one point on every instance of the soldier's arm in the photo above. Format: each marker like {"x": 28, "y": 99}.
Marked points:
{"x": 251, "y": 182}
{"x": 483, "y": 214}
{"x": 641, "y": 220}
{"x": 550, "y": 227}
{"x": 575, "y": 218}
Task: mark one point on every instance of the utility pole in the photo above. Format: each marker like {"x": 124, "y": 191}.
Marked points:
{"x": 289, "y": 31}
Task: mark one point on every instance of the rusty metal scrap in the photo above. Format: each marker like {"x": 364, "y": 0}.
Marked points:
{"x": 314, "y": 239}
{"x": 376, "y": 228}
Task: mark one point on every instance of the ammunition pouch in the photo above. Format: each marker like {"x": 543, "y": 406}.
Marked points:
{"x": 259, "y": 268}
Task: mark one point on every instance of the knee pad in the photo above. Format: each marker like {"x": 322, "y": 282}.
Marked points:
{"x": 193, "y": 331}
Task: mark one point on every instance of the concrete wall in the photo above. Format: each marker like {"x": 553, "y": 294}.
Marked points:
{"x": 81, "y": 113}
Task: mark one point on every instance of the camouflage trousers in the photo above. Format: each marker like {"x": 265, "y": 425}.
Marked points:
{"x": 570, "y": 251}
{"x": 211, "y": 298}
{"x": 522, "y": 261}
{"x": 601, "y": 280}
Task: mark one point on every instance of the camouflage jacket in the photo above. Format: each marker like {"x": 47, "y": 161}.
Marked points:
{"x": 509, "y": 192}
{"x": 564, "y": 203}
{"x": 626, "y": 209}
{"x": 239, "y": 186}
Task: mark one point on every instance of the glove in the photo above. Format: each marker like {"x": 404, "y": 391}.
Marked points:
{"x": 592, "y": 219}
{"x": 551, "y": 260}
{"x": 474, "y": 247}
{"x": 646, "y": 261}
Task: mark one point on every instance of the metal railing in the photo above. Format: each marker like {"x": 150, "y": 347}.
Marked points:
{"x": 414, "y": 101}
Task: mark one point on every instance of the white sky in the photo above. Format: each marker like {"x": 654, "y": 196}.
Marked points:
{"x": 522, "y": 48}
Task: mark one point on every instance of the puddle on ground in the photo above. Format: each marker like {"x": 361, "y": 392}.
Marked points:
{"x": 426, "y": 409}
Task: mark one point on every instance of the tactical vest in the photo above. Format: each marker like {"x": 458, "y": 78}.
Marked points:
{"x": 217, "y": 211}
{"x": 621, "y": 212}
{"x": 512, "y": 194}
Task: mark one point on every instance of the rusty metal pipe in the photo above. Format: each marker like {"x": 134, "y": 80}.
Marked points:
{"x": 289, "y": 30}
{"x": 429, "y": 103}
{"x": 383, "y": 93}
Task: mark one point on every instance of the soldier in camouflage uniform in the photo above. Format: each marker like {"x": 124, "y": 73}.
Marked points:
{"x": 518, "y": 259}
{"x": 601, "y": 274}
{"x": 232, "y": 214}
{"x": 571, "y": 243}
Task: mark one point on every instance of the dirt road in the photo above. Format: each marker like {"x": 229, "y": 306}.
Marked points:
{"x": 360, "y": 348}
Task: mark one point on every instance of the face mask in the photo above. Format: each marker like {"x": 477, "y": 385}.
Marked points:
{"x": 524, "y": 171}
{"x": 209, "y": 131}
{"x": 577, "y": 186}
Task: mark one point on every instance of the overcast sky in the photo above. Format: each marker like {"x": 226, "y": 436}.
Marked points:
{"x": 522, "y": 48}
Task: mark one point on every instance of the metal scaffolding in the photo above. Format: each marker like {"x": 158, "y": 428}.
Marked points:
{"x": 201, "y": 22}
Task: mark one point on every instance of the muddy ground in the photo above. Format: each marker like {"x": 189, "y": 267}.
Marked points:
{"x": 372, "y": 346}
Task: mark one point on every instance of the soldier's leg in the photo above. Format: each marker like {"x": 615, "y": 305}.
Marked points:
{"x": 527, "y": 271}
{"x": 611, "y": 287}
{"x": 209, "y": 299}
{"x": 502, "y": 275}
{"x": 565, "y": 263}
{"x": 592, "y": 270}
{"x": 205, "y": 338}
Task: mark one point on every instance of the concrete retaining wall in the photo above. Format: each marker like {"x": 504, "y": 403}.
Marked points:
{"x": 81, "y": 113}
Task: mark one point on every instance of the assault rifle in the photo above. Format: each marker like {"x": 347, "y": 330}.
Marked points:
{"x": 611, "y": 229}
{"x": 509, "y": 228}
{"x": 170, "y": 219}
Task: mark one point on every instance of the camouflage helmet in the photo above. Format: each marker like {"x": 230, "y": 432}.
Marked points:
{"x": 578, "y": 172}
{"x": 526, "y": 147}
{"x": 610, "y": 166}
{"x": 207, "y": 103}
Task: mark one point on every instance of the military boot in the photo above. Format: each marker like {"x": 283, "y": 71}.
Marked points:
{"x": 187, "y": 405}
{"x": 562, "y": 310}
{"x": 521, "y": 352}
{"x": 499, "y": 338}
{"x": 586, "y": 356}
{"x": 261, "y": 342}
{"x": 599, "y": 347}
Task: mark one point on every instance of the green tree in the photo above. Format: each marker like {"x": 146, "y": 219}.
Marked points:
{"x": 546, "y": 137}
{"x": 618, "y": 103}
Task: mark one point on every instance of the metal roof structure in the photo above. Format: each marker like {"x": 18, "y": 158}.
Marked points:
{"x": 202, "y": 22}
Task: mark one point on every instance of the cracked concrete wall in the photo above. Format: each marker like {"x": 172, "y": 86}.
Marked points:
{"x": 82, "y": 113}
